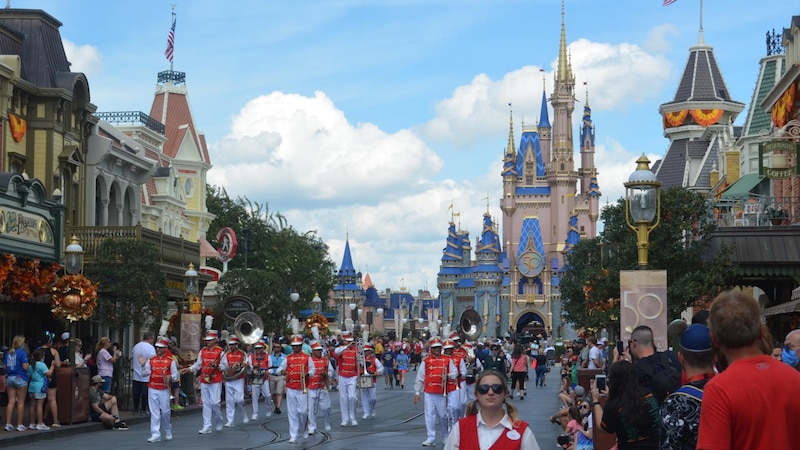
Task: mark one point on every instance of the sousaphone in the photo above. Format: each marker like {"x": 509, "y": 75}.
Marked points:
{"x": 249, "y": 328}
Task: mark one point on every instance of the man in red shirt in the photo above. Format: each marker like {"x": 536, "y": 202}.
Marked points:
{"x": 162, "y": 371}
{"x": 751, "y": 403}
{"x": 298, "y": 369}
{"x": 234, "y": 366}
{"x": 207, "y": 363}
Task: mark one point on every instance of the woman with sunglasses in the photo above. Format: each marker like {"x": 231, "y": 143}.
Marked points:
{"x": 491, "y": 421}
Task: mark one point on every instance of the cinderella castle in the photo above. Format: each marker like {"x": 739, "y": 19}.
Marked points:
{"x": 548, "y": 205}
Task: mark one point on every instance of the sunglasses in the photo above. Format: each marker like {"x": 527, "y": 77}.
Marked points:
{"x": 584, "y": 406}
{"x": 498, "y": 389}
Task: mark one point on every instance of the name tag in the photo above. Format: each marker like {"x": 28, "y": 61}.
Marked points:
{"x": 513, "y": 435}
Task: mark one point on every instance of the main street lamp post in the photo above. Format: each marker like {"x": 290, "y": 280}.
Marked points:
{"x": 642, "y": 206}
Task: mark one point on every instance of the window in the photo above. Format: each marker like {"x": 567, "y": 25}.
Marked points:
{"x": 188, "y": 187}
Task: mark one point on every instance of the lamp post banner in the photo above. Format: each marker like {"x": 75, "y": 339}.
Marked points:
{"x": 191, "y": 334}
{"x": 643, "y": 301}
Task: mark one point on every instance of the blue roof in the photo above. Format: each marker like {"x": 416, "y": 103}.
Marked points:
{"x": 544, "y": 190}
{"x": 373, "y": 299}
{"x": 573, "y": 235}
{"x": 466, "y": 283}
{"x": 531, "y": 234}
{"x": 544, "y": 119}
{"x": 347, "y": 268}
{"x": 489, "y": 242}
{"x": 451, "y": 271}
{"x": 530, "y": 141}
{"x": 452, "y": 249}
{"x": 587, "y": 130}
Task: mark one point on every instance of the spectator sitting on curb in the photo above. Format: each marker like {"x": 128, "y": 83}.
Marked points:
{"x": 103, "y": 406}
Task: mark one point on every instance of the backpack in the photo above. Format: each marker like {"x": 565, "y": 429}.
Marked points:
{"x": 659, "y": 375}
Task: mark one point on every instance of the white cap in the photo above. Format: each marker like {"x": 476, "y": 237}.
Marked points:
{"x": 65, "y": 335}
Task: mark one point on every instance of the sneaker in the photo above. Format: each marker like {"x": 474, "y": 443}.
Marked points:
{"x": 365, "y": 417}
{"x": 229, "y": 425}
{"x": 327, "y": 428}
{"x": 245, "y": 419}
{"x": 428, "y": 443}
{"x": 269, "y": 413}
{"x": 154, "y": 439}
{"x": 219, "y": 427}
{"x": 373, "y": 414}
{"x": 32, "y": 426}
{"x": 305, "y": 435}
{"x": 277, "y": 411}
{"x": 254, "y": 417}
{"x": 292, "y": 440}
{"x": 21, "y": 428}
{"x": 9, "y": 427}
{"x": 179, "y": 407}
{"x": 353, "y": 423}
{"x": 120, "y": 426}
{"x": 344, "y": 424}
{"x": 311, "y": 432}
{"x": 204, "y": 431}
{"x": 168, "y": 436}
{"x": 42, "y": 427}
{"x": 55, "y": 425}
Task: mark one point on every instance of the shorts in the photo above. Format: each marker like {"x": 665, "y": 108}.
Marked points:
{"x": 16, "y": 382}
{"x": 94, "y": 415}
{"x": 38, "y": 395}
{"x": 388, "y": 371}
{"x": 277, "y": 384}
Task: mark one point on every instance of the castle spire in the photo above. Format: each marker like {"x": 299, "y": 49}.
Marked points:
{"x": 511, "y": 149}
{"x": 563, "y": 74}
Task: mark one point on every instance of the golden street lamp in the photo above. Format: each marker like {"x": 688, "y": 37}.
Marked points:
{"x": 642, "y": 205}
{"x": 73, "y": 257}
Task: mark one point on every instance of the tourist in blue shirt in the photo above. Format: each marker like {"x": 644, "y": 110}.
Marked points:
{"x": 402, "y": 367}
{"x": 16, "y": 361}
{"x": 387, "y": 359}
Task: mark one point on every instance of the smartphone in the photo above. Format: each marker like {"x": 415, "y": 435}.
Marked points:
{"x": 600, "y": 382}
{"x": 620, "y": 347}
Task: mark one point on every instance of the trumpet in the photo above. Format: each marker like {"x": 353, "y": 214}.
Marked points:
{"x": 303, "y": 379}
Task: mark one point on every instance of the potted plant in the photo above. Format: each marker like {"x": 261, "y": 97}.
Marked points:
{"x": 777, "y": 216}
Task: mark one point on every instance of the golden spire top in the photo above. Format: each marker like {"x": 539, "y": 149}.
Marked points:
{"x": 511, "y": 148}
{"x": 586, "y": 85}
{"x": 563, "y": 68}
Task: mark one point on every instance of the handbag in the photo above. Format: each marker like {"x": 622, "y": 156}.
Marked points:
{"x": 45, "y": 385}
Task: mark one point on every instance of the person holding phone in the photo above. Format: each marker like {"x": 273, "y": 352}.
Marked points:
{"x": 631, "y": 410}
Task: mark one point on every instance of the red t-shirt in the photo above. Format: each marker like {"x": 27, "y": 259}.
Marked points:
{"x": 752, "y": 404}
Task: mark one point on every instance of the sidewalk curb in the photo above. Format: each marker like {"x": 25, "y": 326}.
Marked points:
{"x": 8, "y": 438}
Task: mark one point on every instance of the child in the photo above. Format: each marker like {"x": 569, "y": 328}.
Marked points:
{"x": 574, "y": 425}
{"x": 37, "y": 389}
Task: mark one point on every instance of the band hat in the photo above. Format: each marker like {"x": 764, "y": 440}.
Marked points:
{"x": 211, "y": 335}
{"x": 435, "y": 342}
{"x": 369, "y": 346}
{"x": 455, "y": 336}
{"x": 162, "y": 342}
{"x": 259, "y": 344}
{"x": 296, "y": 340}
{"x": 448, "y": 343}
{"x": 348, "y": 337}
{"x": 467, "y": 345}
{"x": 696, "y": 339}
{"x": 315, "y": 345}
{"x": 233, "y": 340}
{"x": 97, "y": 379}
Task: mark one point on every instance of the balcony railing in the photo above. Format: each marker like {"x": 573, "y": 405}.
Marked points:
{"x": 756, "y": 211}
{"x": 132, "y": 118}
{"x": 172, "y": 250}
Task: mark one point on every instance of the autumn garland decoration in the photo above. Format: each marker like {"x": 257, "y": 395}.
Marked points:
{"x": 27, "y": 278}
{"x": 74, "y": 297}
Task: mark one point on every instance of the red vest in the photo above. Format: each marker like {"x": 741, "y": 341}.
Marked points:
{"x": 468, "y": 432}
{"x": 160, "y": 376}
{"x": 210, "y": 373}
{"x": 319, "y": 380}
{"x": 233, "y": 358}
{"x": 457, "y": 357}
{"x": 372, "y": 366}
{"x": 435, "y": 373}
{"x": 452, "y": 383}
{"x": 296, "y": 369}
{"x": 348, "y": 362}
{"x": 259, "y": 361}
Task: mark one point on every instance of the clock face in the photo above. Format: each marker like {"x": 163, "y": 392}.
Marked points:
{"x": 530, "y": 264}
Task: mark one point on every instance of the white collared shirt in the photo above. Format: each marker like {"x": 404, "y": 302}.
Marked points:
{"x": 487, "y": 436}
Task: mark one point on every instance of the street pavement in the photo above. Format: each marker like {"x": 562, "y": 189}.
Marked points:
{"x": 399, "y": 425}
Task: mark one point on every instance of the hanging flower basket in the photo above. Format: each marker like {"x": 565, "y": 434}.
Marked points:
{"x": 74, "y": 297}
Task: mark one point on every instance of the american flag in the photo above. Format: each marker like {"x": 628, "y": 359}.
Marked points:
{"x": 170, "y": 51}
{"x": 669, "y": 2}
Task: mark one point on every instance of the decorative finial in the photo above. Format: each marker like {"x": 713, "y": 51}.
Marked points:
{"x": 586, "y": 83}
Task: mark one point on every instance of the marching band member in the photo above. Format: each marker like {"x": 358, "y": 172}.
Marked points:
{"x": 298, "y": 368}
{"x": 460, "y": 354}
{"x": 455, "y": 406}
{"x": 432, "y": 377}
{"x": 318, "y": 389}
{"x": 231, "y": 364}
{"x": 259, "y": 381}
{"x": 162, "y": 371}
{"x": 473, "y": 364}
{"x": 208, "y": 361}
{"x": 375, "y": 368}
{"x": 348, "y": 372}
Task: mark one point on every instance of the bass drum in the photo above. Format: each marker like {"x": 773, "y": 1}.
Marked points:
{"x": 365, "y": 382}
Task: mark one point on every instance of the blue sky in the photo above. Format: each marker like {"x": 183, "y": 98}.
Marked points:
{"x": 369, "y": 117}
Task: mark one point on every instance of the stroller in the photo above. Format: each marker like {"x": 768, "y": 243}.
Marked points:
{"x": 551, "y": 358}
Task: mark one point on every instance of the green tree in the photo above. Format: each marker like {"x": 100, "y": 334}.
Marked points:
{"x": 132, "y": 285}
{"x": 272, "y": 259}
{"x": 680, "y": 245}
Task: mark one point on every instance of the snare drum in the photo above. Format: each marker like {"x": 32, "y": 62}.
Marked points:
{"x": 365, "y": 382}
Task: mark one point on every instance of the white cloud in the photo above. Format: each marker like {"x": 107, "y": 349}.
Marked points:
{"x": 84, "y": 58}
{"x": 619, "y": 76}
{"x": 304, "y": 147}
{"x": 661, "y": 38}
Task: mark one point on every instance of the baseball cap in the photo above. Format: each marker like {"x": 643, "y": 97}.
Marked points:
{"x": 579, "y": 391}
{"x": 696, "y": 339}
{"x": 97, "y": 379}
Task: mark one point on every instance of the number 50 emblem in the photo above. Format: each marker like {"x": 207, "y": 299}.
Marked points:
{"x": 643, "y": 296}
